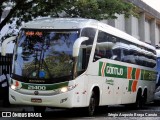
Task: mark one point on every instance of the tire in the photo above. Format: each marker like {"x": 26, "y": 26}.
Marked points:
{"x": 39, "y": 109}
{"x": 139, "y": 100}
{"x": 138, "y": 104}
{"x": 144, "y": 98}
{"x": 92, "y": 105}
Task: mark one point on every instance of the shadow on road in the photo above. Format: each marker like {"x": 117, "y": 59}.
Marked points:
{"x": 69, "y": 114}
{"x": 102, "y": 112}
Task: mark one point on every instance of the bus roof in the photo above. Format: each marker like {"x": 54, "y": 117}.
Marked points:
{"x": 121, "y": 34}
{"x": 61, "y": 23}
{"x": 78, "y": 23}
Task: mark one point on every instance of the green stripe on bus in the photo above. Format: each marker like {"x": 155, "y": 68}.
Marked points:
{"x": 142, "y": 74}
{"x": 48, "y": 86}
{"x": 130, "y": 85}
{"x": 119, "y": 71}
{"x": 133, "y": 73}
{"x": 149, "y": 75}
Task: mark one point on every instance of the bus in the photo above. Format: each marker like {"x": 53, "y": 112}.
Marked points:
{"x": 79, "y": 63}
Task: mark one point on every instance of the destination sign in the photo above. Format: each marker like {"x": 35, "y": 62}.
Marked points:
{"x": 33, "y": 33}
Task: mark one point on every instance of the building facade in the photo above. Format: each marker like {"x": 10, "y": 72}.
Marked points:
{"x": 145, "y": 28}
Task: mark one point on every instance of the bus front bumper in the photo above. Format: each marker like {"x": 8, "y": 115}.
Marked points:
{"x": 63, "y": 100}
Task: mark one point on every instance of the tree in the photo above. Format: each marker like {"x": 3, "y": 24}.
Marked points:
{"x": 26, "y": 10}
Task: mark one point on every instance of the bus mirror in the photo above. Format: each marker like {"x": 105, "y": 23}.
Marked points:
{"x": 77, "y": 45}
{"x": 4, "y": 44}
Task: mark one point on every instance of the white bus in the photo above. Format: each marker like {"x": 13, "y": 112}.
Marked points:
{"x": 75, "y": 62}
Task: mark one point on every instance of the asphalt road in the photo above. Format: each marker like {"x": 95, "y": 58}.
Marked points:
{"x": 120, "y": 112}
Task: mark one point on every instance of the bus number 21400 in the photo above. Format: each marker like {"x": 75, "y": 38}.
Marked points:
{"x": 30, "y": 87}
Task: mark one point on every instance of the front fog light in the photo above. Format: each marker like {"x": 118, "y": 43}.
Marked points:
{"x": 64, "y": 89}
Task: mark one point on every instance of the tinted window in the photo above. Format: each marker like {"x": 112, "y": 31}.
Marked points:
{"x": 85, "y": 52}
{"x": 112, "y": 47}
{"x": 104, "y": 46}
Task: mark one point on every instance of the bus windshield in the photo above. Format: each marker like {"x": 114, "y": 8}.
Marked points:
{"x": 44, "y": 54}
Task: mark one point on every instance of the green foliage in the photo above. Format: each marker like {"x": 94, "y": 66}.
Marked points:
{"x": 26, "y": 10}
{"x": 100, "y": 9}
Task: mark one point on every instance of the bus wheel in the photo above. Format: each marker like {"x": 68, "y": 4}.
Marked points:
{"x": 92, "y": 104}
{"x": 139, "y": 101}
{"x": 144, "y": 97}
{"x": 39, "y": 109}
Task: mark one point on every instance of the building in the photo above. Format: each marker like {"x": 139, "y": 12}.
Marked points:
{"x": 145, "y": 28}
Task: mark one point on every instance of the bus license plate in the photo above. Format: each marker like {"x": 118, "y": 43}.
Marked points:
{"x": 36, "y": 100}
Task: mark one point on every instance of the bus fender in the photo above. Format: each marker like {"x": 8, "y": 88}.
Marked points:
{"x": 97, "y": 91}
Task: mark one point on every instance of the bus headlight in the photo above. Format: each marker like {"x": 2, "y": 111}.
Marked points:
{"x": 15, "y": 85}
{"x": 64, "y": 89}
{"x": 67, "y": 88}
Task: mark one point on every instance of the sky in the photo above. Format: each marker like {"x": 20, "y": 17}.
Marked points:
{"x": 153, "y": 3}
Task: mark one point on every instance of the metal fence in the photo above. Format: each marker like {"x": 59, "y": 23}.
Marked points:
{"x": 6, "y": 63}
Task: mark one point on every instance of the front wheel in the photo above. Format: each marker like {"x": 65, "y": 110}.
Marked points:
{"x": 92, "y": 105}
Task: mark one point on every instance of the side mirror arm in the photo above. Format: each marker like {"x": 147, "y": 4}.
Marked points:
{"x": 77, "y": 45}
{"x": 4, "y": 44}
{"x": 76, "y": 48}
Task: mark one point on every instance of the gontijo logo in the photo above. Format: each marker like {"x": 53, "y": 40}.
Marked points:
{"x": 112, "y": 70}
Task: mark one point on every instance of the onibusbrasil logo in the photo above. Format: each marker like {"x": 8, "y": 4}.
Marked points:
{"x": 15, "y": 115}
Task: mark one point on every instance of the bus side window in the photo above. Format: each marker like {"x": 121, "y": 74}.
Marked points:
{"x": 103, "y": 47}
{"x": 116, "y": 54}
{"x": 125, "y": 57}
{"x": 109, "y": 54}
{"x": 90, "y": 33}
{"x": 132, "y": 56}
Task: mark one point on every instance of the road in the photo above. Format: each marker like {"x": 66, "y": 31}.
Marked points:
{"x": 119, "y": 112}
